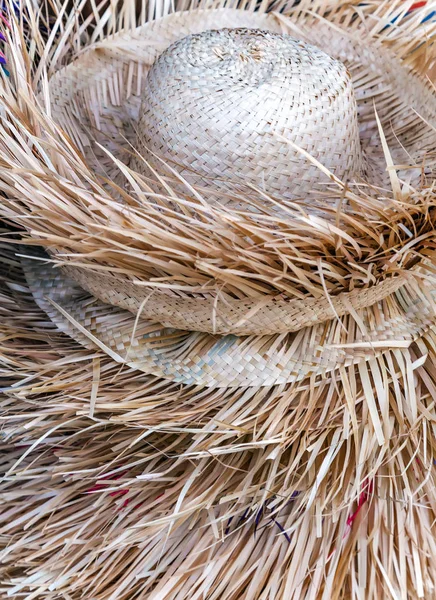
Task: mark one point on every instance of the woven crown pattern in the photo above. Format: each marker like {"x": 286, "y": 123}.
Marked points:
{"x": 214, "y": 104}
{"x": 218, "y": 107}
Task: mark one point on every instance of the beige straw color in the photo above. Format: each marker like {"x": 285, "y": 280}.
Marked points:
{"x": 147, "y": 461}
{"x": 215, "y": 103}
{"x": 222, "y": 315}
{"x": 97, "y": 100}
{"x": 214, "y": 106}
{"x": 195, "y": 358}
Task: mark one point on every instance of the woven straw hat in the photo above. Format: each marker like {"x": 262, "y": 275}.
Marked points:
{"x": 263, "y": 116}
{"x": 229, "y": 211}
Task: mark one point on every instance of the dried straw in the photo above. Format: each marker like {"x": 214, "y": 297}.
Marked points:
{"x": 121, "y": 485}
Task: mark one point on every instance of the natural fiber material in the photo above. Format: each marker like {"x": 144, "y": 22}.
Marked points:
{"x": 119, "y": 483}
{"x": 116, "y": 67}
{"x": 306, "y": 121}
{"x": 174, "y": 484}
{"x": 193, "y": 358}
{"x": 231, "y": 268}
{"x": 223, "y": 315}
{"x": 234, "y": 91}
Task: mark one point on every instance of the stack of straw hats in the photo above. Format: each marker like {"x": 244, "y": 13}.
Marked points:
{"x": 218, "y": 301}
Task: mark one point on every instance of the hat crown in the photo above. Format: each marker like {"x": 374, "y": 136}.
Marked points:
{"x": 214, "y": 103}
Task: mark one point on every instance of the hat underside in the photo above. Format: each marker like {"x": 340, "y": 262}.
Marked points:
{"x": 199, "y": 358}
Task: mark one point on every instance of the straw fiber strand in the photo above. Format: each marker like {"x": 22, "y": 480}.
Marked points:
{"x": 103, "y": 107}
{"x": 227, "y": 315}
{"x": 201, "y": 359}
{"x": 116, "y": 72}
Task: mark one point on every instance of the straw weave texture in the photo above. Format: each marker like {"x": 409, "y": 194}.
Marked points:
{"x": 223, "y": 315}
{"x": 97, "y": 100}
{"x": 286, "y": 451}
{"x": 214, "y": 103}
{"x": 194, "y": 358}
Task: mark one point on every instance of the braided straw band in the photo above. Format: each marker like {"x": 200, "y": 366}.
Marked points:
{"x": 227, "y": 315}
{"x": 195, "y": 358}
{"x": 214, "y": 102}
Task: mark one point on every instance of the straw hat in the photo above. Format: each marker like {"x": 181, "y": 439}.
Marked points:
{"x": 223, "y": 110}
{"x": 235, "y": 213}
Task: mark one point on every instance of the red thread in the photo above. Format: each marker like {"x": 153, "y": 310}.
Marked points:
{"x": 418, "y": 5}
{"x": 5, "y": 21}
{"x": 119, "y": 492}
{"x": 363, "y": 498}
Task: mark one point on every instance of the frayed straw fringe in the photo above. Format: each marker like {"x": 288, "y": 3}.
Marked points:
{"x": 120, "y": 485}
